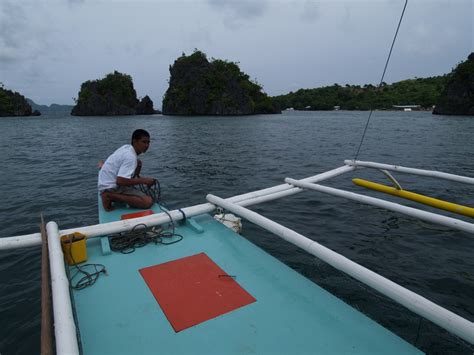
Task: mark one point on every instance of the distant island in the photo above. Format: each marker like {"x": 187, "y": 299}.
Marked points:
{"x": 198, "y": 86}
{"x": 113, "y": 95}
{"x": 450, "y": 94}
{"x": 14, "y": 104}
{"x": 457, "y": 98}
{"x": 421, "y": 92}
{"x": 53, "y": 109}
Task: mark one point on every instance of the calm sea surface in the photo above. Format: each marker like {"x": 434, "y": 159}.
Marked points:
{"x": 49, "y": 166}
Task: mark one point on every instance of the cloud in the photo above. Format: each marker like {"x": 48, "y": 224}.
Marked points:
{"x": 241, "y": 8}
{"x": 311, "y": 11}
{"x": 12, "y": 19}
{"x": 237, "y": 12}
{"x": 22, "y": 36}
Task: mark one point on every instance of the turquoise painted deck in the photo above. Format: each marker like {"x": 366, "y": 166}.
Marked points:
{"x": 292, "y": 315}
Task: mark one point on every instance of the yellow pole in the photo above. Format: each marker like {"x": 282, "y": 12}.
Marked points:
{"x": 430, "y": 201}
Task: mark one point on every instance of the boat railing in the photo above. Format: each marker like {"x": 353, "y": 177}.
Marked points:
{"x": 65, "y": 331}
{"x": 414, "y": 302}
{"x": 402, "y": 169}
{"x": 64, "y": 325}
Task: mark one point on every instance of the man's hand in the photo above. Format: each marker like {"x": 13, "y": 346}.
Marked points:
{"x": 121, "y": 181}
{"x": 148, "y": 181}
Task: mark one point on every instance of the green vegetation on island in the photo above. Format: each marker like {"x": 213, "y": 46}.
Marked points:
{"x": 14, "y": 104}
{"x": 113, "y": 95}
{"x": 420, "y": 91}
{"x": 198, "y": 86}
{"x": 457, "y": 97}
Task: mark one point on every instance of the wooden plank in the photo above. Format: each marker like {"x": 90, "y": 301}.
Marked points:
{"x": 46, "y": 312}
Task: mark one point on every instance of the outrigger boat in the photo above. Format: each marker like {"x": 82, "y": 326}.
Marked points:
{"x": 207, "y": 289}
{"x": 203, "y": 288}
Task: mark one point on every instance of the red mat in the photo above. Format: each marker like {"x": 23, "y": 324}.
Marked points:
{"x": 194, "y": 289}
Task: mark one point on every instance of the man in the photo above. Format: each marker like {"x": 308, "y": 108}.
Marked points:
{"x": 120, "y": 174}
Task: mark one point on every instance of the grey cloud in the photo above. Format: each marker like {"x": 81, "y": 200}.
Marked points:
{"x": 22, "y": 36}
{"x": 242, "y": 8}
{"x": 311, "y": 11}
{"x": 235, "y": 13}
{"x": 12, "y": 19}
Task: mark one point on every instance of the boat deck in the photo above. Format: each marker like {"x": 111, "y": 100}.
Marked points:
{"x": 291, "y": 315}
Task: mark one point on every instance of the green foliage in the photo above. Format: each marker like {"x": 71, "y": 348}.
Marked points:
{"x": 199, "y": 86}
{"x": 112, "y": 95}
{"x": 13, "y": 103}
{"x": 421, "y": 91}
{"x": 457, "y": 98}
{"x": 6, "y": 103}
{"x": 115, "y": 86}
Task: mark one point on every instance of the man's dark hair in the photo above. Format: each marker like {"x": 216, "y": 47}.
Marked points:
{"x": 139, "y": 133}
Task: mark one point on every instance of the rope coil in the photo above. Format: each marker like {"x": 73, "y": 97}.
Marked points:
{"x": 139, "y": 236}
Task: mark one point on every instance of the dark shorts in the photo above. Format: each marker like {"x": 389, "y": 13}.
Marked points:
{"x": 126, "y": 190}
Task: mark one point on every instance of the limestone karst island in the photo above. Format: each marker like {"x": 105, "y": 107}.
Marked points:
{"x": 113, "y": 95}
{"x": 457, "y": 97}
{"x": 217, "y": 87}
{"x": 198, "y": 86}
{"x": 14, "y": 104}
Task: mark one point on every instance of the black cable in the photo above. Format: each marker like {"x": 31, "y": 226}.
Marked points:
{"x": 139, "y": 236}
{"x": 418, "y": 331}
{"x": 381, "y": 79}
{"x": 184, "y": 214}
{"x": 153, "y": 191}
{"x": 89, "y": 278}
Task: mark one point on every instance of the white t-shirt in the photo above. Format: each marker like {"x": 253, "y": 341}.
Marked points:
{"x": 122, "y": 162}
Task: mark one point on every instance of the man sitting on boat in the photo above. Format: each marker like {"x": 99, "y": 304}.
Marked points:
{"x": 119, "y": 176}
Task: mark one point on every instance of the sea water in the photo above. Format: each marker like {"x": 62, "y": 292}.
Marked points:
{"x": 49, "y": 167}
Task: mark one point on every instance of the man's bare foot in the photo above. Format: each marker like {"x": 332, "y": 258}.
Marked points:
{"x": 106, "y": 202}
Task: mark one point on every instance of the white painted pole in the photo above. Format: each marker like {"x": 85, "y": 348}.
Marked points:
{"x": 64, "y": 327}
{"x": 246, "y": 199}
{"x": 413, "y": 212}
{"x": 416, "y": 303}
{"x": 283, "y": 187}
{"x": 402, "y": 169}
{"x": 20, "y": 241}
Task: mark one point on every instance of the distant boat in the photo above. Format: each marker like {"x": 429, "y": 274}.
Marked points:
{"x": 407, "y": 107}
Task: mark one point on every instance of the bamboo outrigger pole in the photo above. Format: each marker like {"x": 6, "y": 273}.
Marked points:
{"x": 46, "y": 321}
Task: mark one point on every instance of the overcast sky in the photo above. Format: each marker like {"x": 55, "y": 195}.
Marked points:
{"x": 48, "y": 48}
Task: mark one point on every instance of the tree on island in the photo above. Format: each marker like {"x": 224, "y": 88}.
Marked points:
{"x": 198, "y": 86}
{"x": 113, "y": 95}
{"x": 14, "y": 104}
{"x": 457, "y": 97}
{"x": 419, "y": 91}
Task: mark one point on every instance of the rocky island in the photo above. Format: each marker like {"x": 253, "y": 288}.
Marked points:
{"x": 14, "y": 104}
{"x": 113, "y": 95}
{"x": 457, "y": 98}
{"x": 198, "y": 86}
